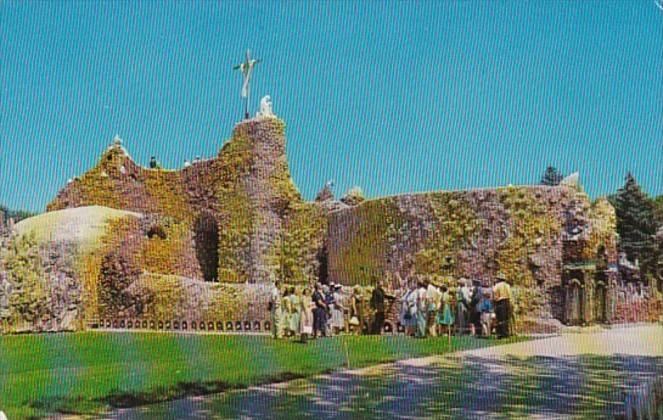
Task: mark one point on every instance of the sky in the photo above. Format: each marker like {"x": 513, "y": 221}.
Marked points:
{"x": 393, "y": 97}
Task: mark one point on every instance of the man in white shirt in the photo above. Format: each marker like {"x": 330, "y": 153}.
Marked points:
{"x": 434, "y": 298}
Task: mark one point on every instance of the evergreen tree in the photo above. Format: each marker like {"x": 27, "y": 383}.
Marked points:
{"x": 552, "y": 176}
{"x": 3, "y": 216}
{"x": 636, "y": 223}
{"x": 17, "y": 215}
{"x": 658, "y": 206}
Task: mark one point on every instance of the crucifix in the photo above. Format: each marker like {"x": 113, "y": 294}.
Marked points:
{"x": 247, "y": 69}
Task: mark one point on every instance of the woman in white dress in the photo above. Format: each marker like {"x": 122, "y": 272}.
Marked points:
{"x": 306, "y": 310}
{"x": 337, "y": 321}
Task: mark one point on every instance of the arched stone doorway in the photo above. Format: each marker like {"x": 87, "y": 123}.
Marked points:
{"x": 206, "y": 238}
{"x": 574, "y": 302}
{"x": 575, "y": 296}
{"x": 600, "y": 302}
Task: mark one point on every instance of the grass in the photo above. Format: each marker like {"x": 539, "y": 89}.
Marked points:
{"x": 91, "y": 372}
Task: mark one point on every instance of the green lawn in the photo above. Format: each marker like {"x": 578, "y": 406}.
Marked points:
{"x": 93, "y": 371}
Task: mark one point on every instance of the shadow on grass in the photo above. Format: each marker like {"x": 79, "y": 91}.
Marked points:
{"x": 584, "y": 386}
{"x": 118, "y": 400}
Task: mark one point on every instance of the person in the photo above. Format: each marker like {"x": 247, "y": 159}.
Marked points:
{"x": 275, "y": 310}
{"x": 196, "y": 160}
{"x": 463, "y": 298}
{"x": 475, "y": 310}
{"x": 486, "y": 310}
{"x": 408, "y": 315}
{"x": 286, "y": 311}
{"x": 187, "y": 163}
{"x": 502, "y": 296}
{"x": 295, "y": 311}
{"x": 422, "y": 310}
{"x": 154, "y": 164}
{"x": 338, "y": 323}
{"x": 445, "y": 316}
{"x": 306, "y": 321}
{"x": 434, "y": 299}
{"x": 377, "y": 305}
{"x": 319, "y": 312}
{"x": 328, "y": 293}
{"x": 357, "y": 320}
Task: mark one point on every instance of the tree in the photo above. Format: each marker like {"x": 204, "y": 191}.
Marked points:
{"x": 636, "y": 223}
{"x": 658, "y": 241}
{"x": 552, "y": 176}
{"x": 658, "y": 209}
{"x": 17, "y": 215}
{"x": 3, "y": 217}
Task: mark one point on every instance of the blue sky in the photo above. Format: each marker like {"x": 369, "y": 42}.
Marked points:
{"x": 393, "y": 97}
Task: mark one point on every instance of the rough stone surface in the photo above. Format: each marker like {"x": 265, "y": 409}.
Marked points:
{"x": 413, "y": 220}
{"x": 238, "y": 219}
{"x": 247, "y": 184}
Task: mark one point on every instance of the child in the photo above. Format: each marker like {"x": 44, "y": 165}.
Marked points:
{"x": 486, "y": 308}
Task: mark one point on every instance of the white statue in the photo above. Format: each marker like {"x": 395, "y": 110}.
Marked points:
{"x": 266, "y": 108}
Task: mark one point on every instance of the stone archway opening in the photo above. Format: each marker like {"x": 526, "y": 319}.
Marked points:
{"x": 600, "y": 302}
{"x": 574, "y": 298}
{"x": 206, "y": 239}
{"x": 574, "y": 303}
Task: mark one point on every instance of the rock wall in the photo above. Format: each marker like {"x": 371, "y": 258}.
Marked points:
{"x": 637, "y": 303}
{"x": 39, "y": 290}
{"x": 529, "y": 233}
{"x": 475, "y": 234}
{"x": 238, "y": 218}
{"x": 254, "y": 200}
{"x": 236, "y": 203}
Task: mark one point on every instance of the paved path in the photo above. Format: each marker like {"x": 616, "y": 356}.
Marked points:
{"x": 582, "y": 375}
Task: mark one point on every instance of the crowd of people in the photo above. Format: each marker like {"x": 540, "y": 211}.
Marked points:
{"x": 303, "y": 313}
{"x": 426, "y": 310}
{"x": 471, "y": 308}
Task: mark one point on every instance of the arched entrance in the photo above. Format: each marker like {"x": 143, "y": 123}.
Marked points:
{"x": 206, "y": 238}
{"x": 574, "y": 302}
{"x": 600, "y": 302}
{"x": 575, "y": 296}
